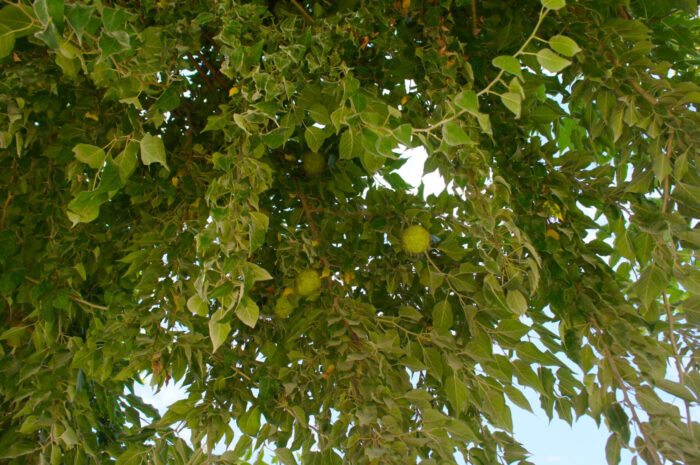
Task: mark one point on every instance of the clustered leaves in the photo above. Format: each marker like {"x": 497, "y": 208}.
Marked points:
{"x": 158, "y": 222}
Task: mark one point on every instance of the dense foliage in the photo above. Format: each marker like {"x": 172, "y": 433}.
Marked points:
{"x": 205, "y": 192}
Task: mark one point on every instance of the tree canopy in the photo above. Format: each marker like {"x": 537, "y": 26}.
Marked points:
{"x": 205, "y": 192}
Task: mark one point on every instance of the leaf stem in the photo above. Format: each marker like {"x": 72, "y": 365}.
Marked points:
{"x": 487, "y": 89}
{"x": 543, "y": 13}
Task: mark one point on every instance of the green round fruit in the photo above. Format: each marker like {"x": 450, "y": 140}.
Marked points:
{"x": 308, "y": 282}
{"x": 415, "y": 239}
{"x": 313, "y": 163}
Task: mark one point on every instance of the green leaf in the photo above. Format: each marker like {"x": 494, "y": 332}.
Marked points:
{"x": 42, "y": 11}
{"x": 371, "y": 162}
{"x": 11, "y": 280}
{"x": 512, "y": 329}
{"x": 512, "y": 101}
{"x": 7, "y": 41}
{"x": 612, "y": 450}
{"x": 78, "y": 17}
{"x": 442, "y": 316}
{"x": 676, "y": 389}
{"x": 617, "y": 122}
{"x": 516, "y": 302}
{"x": 153, "y": 150}
{"x": 168, "y": 100}
{"x": 218, "y": 332}
{"x": 69, "y": 438}
{"x": 617, "y": 418}
{"x": 319, "y": 113}
{"x": 85, "y": 207}
{"x": 13, "y": 333}
{"x": 314, "y": 138}
{"x": 350, "y": 145}
{"x": 457, "y": 393}
{"x": 410, "y": 313}
{"x": 249, "y": 422}
{"x": 197, "y": 305}
{"x": 285, "y": 456}
{"x": 651, "y": 284}
{"x": 91, "y": 155}
{"x": 259, "y": 222}
{"x": 403, "y": 134}
{"x": 18, "y": 19}
{"x": 508, "y": 63}
{"x": 131, "y": 456}
{"x": 55, "y": 8}
{"x": 551, "y": 61}
{"x": 518, "y": 398}
{"x": 554, "y": 4}
{"x": 247, "y": 311}
{"x": 217, "y": 123}
{"x": 495, "y": 406}
{"x": 494, "y": 291}
{"x": 453, "y": 134}
{"x": 257, "y": 272}
{"x": 661, "y": 165}
{"x": 17, "y": 449}
{"x": 126, "y": 161}
{"x": 564, "y": 45}
{"x": 689, "y": 278}
{"x": 467, "y": 101}
{"x": 485, "y": 123}
{"x": 111, "y": 43}
{"x": 275, "y": 138}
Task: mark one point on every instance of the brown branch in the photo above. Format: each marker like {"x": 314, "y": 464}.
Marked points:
{"x": 204, "y": 76}
{"x": 315, "y": 233}
{"x": 649, "y": 443}
{"x": 214, "y": 72}
{"x": 337, "y": 213}
{"x": 475, "y": 21}
{"x": 667, "y": 182}
{"x": 4, "y": 211}
{"x": 303, "y": 11}
{"x": 677, "y": 358}
{"x": 661, "y": 18}
{"x": 622, "y": 12}
{"x": 643, "y": 92}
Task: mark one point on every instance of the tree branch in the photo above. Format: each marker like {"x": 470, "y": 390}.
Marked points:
{"x": 649, "y": 442}
{"x": 218, "y": 75}
{"x": 303, "y": 11}
{"x": 201, "y": 72}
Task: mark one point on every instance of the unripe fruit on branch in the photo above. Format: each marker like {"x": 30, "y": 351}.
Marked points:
{"x": 415, "y": 239}
{"x": 308, "y": 282}
{"x": 313, "y": 163}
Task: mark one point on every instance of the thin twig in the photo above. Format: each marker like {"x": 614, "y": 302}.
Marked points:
{"x": 73, "y": 298}
{"x": 661, "y": 18}
{"x": 337, "y": 213}
{"x": 85, "y": 302}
